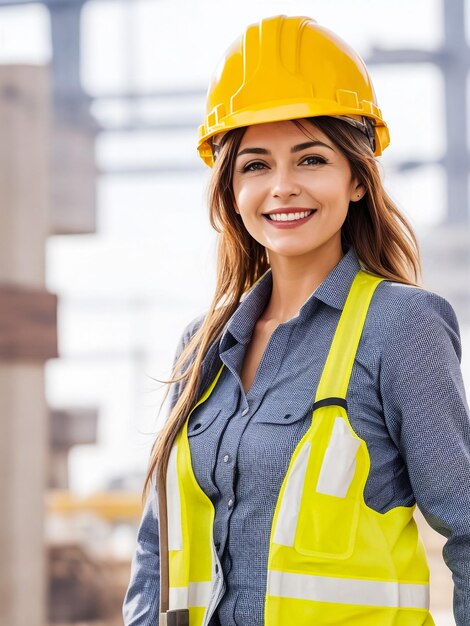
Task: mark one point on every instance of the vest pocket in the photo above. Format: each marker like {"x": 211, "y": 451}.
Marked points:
{"x": 329, "y": 514}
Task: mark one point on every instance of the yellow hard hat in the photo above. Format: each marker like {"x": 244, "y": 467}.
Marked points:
{"x": 286, "y": 68}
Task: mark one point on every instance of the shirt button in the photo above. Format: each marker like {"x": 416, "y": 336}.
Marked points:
{"x": 226, "y": 458}
{"x": 230, "y": 503}
{"x": 245, "y": 411}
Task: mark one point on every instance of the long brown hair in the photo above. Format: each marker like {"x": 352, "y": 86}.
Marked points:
{"x": 383, "y": 239}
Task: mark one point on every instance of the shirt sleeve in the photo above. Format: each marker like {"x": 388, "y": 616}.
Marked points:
{"x": 142, "y": 598}
{"x": 141, "y": 602}
{"x": 426, "y": 409}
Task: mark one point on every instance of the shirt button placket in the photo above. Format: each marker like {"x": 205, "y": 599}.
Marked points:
{"x": 247, "y": 408}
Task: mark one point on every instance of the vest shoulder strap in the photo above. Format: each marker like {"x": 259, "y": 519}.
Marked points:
{"x": 339, "y": 363}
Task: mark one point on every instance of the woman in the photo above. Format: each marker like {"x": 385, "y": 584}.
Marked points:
{"x": 320, "y": 398}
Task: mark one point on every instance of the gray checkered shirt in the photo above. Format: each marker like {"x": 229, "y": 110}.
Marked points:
{"x": 406, "y": 399}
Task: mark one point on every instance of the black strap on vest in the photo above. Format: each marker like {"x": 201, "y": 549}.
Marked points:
{"x": 330, "y": 402}
{"x": 178, "y": 617}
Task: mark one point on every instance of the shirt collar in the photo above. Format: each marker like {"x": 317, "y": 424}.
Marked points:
{"x": 333, "y": 291}
{"x": 335, "y": 288}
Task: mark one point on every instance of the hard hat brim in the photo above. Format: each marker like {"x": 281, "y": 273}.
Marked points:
{"x": 287, "y": 111}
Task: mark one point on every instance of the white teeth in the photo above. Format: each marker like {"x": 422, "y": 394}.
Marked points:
{"x": 289, "y": 217}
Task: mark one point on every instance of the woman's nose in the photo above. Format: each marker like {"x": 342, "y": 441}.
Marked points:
{"x": 284, "y": 184}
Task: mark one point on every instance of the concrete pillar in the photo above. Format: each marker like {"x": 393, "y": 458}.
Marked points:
{"x": 27, "y": 339}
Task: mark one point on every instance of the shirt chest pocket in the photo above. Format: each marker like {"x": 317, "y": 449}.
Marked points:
{"x": 201, "y": 419}
{"x": 274, "y": 433}
{"x": 269, "y": 441}
{"x": 278, "y": 411}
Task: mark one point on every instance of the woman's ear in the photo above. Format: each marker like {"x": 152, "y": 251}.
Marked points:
{"x": 358, "y": 192}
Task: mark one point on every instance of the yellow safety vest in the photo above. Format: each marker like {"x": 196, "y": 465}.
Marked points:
{"x": 332, "y": 559}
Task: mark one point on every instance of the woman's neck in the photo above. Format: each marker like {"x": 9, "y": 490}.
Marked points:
{"x": 294, "y": 280}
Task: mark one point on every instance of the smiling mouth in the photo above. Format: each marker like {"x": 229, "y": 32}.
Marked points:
{"x": 289, "y": 217}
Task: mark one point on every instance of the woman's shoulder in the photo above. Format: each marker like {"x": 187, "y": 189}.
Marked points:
{"x": 187, "y": 334}
{"x": 189, "y": 331}
{"x": 400, "y": 310}
{"x": 192, "y": 327}
{"x": 400, "y": 298}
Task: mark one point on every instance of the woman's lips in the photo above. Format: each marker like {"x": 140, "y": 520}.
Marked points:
{"x": 289, "y": 223}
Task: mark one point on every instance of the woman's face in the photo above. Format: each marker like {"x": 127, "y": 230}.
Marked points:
{"x": 292, "y": 188}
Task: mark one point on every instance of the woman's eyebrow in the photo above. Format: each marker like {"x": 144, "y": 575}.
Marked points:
{"x": 310, "y": 144}
{"x": 298, "y": 148}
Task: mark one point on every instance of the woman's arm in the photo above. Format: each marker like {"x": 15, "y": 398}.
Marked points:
{"x": 141, "y": 602}
{"x": 428, "y": 416}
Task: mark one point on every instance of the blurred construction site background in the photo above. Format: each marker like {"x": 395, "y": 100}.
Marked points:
{"x": 106, "y": 252}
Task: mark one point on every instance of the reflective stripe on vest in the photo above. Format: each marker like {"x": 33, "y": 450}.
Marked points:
{"x": 195, "y": 594}
{"x": 175, "y": 539}
{"x": 332, "y": 559}
{"x": 347, "y": 591}
{"x": 195, "y": 574}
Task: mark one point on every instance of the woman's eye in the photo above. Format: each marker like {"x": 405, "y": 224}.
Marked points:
{"x": 313, "y": 160}
{"x": 253, "y": 166}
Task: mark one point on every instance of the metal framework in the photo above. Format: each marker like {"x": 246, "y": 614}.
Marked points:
{"x": 452, "y": 59}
